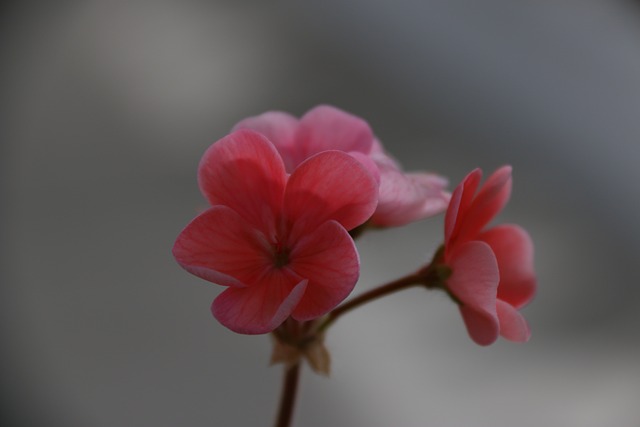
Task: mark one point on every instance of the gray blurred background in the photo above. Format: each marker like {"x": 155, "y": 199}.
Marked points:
{"x": 107, "y": 106}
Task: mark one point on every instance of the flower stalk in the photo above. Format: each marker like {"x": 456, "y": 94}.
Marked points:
{"x": 429, "y": 277}
{"x": 288, "y": 396}
{"x": 389, "y": 288}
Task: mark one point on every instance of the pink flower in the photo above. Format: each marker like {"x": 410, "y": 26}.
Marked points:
{"x": 279, "y": 243}
{"x": 492, "y": 270}
{"x": 403, "y": 198}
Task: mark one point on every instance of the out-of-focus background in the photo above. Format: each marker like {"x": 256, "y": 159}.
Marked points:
{"x": 106, "y": 108}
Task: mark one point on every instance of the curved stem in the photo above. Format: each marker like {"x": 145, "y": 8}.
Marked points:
{"x": 288, "y": 396}
{"x": 397, "y": 285}
{"x": 428, "y": 276}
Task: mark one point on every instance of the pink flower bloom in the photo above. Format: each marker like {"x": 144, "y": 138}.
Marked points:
{"x": 492, "y": 270}
{"x": 403, "y": 198}
{"x": 278, "y": 242}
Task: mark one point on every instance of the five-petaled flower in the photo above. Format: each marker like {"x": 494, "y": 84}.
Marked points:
{"x": 403, "y": 197}
{"x": 278, "y": 242}
{"x": 491, "y": 270}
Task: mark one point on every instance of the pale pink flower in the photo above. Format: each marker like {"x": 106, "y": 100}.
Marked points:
{"x": 403, "y": 198}
{"x": 492, "y": 270}
{"x": 278, "y": 242}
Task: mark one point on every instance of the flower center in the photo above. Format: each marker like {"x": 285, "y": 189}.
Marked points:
{"x": 280, "y": 255}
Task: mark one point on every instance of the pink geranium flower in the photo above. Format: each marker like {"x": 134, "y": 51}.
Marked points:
{"x": 278, "y": 242}
{"x": 492, "y": 270}
{"x": 403, "y": 198}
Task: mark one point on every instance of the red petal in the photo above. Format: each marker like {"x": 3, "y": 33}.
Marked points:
{"x": 451, "y": 217}
{"x": 470, "y": 184}
{"x": 279, "y": 128}
{"x": 330, "y": 186}
{"x": 482, "y": 328}
{"x": 328, "y": 128}
{"x": 514, "y": 251}
{"x": 219, "y": 246}
{"x": 259, "y": 309}
{"x": 474, "y": 281}
{"x": 493, "y": 196}
{"x": 329, "y": 259}
{"x": 460, "y": 201}
{"x": 513, "y": 326}
{"x": 368, "y": 163}
{"x": 245, "y": 172}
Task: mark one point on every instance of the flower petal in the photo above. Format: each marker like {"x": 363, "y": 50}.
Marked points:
{"x": 483, "y": 329}
{"x": 513, "y": 249}
{"x": 405, "y": 198}
{"x": 470, "y": 185}
{"x": 258, "y": 309}
{"x": 491, "y": 199}
{"x": 219, "y": 246}
{"x": 368, "y": 163}
{"x": 460, "y": 201}
{"x": 329, "y": 186}
{"x": 329, "y": 259}
{"x": 244, "y": 172}
{"x": 474, "y": 281}
{"x": 451, "y": 217}
{"x": 328, "y": 128}
{"x": 279, "y": 128}
{"x": 380, "y": 154}
{"x": 513, "y": 325}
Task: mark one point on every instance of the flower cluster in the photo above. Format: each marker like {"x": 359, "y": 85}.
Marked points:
{"x": 284, "y": 195}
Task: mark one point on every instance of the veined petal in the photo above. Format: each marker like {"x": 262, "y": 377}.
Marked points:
{"x": 259, "y": 309}
{"x": 328, "y": 258}
{"x": 470, "y": 186}
{"x": 245, "y": 172}
{"x": 368, "y": 163}
{"x": 405, "y": 198}
{"x": 279, "y": 128}
{"x": 429, "y": 179}
{"x": 328, "y": 128}
{"x": 474, "y": 281}
{"x": 329, "y": 186}
{"x": 451, "y": 216}
{"x": 491, "y": 199}
{"x": 513, "y": 249}
{"x": 513, "y": 325}
{"x": 482, "y": 328}
{"x": 460, "y": 201}
{"x": 219, "y": 246}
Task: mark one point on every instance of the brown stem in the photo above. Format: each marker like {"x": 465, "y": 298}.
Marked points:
{"x": 429, "y": 276}
{"x": 396, "y": 285}
{"x": 288, "y": 396}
